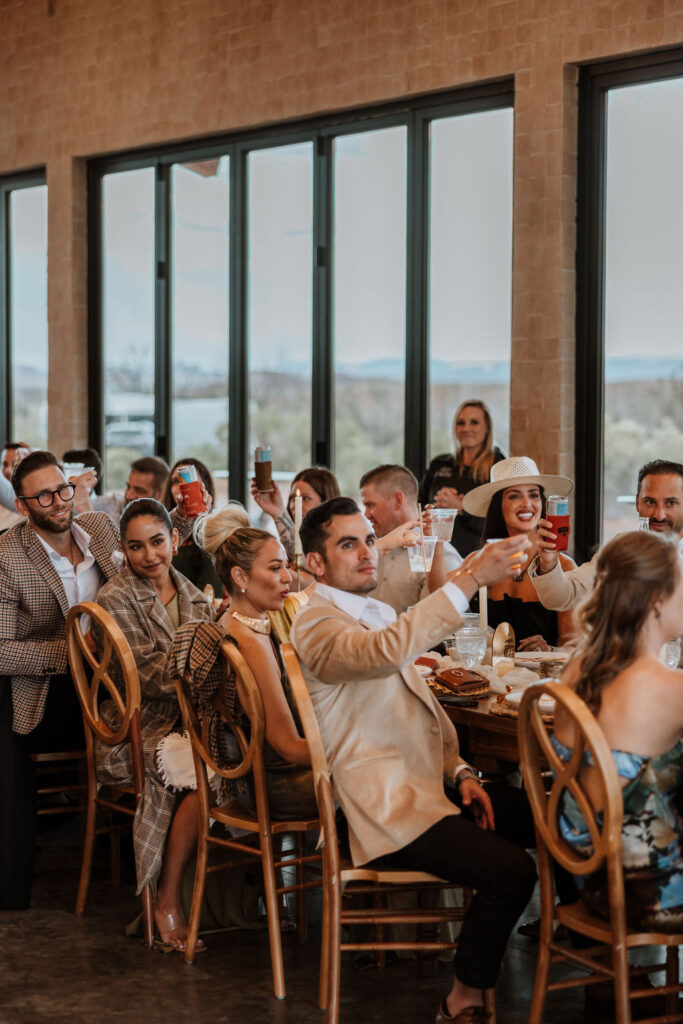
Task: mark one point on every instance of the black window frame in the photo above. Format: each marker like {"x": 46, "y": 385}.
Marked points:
{"x": 416, "y": 114}
{"x": 9, "y": 183}
{"x": 595, "y": 81}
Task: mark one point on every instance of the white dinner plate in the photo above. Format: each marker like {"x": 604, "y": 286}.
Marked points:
{"x": 538, "y": 656}
{"x": 546, "y": 703}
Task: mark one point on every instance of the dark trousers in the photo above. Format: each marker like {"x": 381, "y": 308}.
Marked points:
{"x": 495, "y": 864}
{"x": 60, "y": 729}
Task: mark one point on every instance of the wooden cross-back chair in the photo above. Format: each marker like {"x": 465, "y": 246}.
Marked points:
{"x": 608, "y": 959}
{"x": 234, "y": 815}
{"x": 92, "y": 676}
{"x": 368, "y": 880}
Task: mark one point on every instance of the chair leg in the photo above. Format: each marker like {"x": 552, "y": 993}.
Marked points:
{"x": 197, "y": 898}
{"x": 542, "y": 970}
{"x": 379, "y": 903}
{"x": 273, "y": 916}
{"x": 148, "y": 915}
{"x": 334, "y": 951}
{"x": 672, "y": 1000}
{"x": 88, "y": 847}
{"x": 622, "y": 989}
{"x": 301, "y": 916}
{"x": 324, "y": 940}
{"x": 115, "y": 852}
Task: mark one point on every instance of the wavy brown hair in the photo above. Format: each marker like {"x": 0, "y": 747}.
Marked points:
{"x": 481, "y": 467}
{"x": 633, "y": 572}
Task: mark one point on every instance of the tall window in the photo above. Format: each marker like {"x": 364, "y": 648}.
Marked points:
{"x": 470, "y": 264}
{"x": 297, "y": 286}
{"x": 280, "y": 246}
{"x": 369, "y": 300}
{"x": 24, "y": 219}
{"x": 629, "y": 298}
{"x": 199, "y": 313}
{"x": 643, "y": 290}
{"x": 128, "y": 323}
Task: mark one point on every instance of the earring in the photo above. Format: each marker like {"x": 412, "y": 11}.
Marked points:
{"x": 243, "y": 590}
{"x": 175, "y": 550}
{"x": 657, "y": 613}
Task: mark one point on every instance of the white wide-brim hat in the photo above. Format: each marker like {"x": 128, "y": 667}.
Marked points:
{"x": 508, "y": 473}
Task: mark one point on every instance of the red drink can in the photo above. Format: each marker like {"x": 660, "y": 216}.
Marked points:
{"x": 191, "y": 490}
{"x": 557, "y": 513}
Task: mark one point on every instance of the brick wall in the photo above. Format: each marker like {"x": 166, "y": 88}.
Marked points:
{"x": 86, "y": 77}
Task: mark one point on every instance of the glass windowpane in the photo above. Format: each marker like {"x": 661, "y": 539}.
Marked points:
{"x": 28, "y": 314}
{"x": 199, "y": 314}
{"x": 369, "y": 307}
{"x": 128, "y": 284}
{"x": 280, "y": 305}
{"x": 470, "y": 266}
{"x": 643, "y": 293}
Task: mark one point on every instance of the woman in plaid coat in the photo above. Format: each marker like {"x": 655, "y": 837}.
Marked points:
{"x": 149, "y": 600}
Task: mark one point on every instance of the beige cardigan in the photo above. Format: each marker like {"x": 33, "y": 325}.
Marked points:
{"x": 388, "y": 743}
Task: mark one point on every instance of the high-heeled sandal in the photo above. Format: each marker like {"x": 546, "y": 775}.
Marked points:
{"x": 175, "y": 943}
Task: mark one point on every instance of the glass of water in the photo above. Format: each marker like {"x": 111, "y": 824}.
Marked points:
{"x": 643, "y": 522}
{"x": 470, "y": 644}
{"x": 420, "y": 555}
{"x": 671, "y": 653}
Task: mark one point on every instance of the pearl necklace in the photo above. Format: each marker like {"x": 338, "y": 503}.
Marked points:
{"x": 256, "y": 625}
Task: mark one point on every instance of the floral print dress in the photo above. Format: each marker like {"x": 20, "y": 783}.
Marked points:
{"x": 652, "y": 849}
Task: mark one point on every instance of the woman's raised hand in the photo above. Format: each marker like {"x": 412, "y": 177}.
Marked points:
{"x": 547, "y": 539}
{"x": 448, "y": 497}
{"x": 270, "y": 502}
{"x": 402, "y": 536}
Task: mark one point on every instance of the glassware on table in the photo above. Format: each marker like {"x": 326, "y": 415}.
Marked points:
{"x": 420, "y": 555}
{"x": 470, "y": 644}
{"x": 643, "y": 522}
{"x": 671, "y": 653}
{"x": 441, "y": 520}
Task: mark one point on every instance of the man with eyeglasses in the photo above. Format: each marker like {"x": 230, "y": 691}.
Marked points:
{"x": 48, "y": 563}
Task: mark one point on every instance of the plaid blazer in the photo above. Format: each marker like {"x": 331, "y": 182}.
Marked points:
{"x": 33, "y": 610}
{"x": 133, "y": 604}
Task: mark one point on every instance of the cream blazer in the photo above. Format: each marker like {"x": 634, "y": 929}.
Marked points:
{"x": 388, "y": 742}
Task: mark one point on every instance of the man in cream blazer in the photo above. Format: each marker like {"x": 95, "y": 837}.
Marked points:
{"x": 391, "y": 748}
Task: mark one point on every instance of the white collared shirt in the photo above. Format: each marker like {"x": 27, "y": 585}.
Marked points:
{"x": 83, "y": 581}
{"x": 376, "y": 614}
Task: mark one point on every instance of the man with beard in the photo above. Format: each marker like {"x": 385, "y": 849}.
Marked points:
{"x": 48, "y": 563}
{"x": 659, "y": 498}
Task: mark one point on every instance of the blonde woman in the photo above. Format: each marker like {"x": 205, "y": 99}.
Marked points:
{"x": 449, "y": 477}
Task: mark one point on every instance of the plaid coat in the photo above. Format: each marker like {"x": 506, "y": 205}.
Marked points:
{"x": 33, "y": 609}
{"x": 133, "y": 604}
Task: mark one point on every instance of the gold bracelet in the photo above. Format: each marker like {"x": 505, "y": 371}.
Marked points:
{"x": 476, "y": 581}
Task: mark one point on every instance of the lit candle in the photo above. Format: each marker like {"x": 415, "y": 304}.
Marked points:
{"x": 298, "y": 550}
{"x": 483, "y": 609}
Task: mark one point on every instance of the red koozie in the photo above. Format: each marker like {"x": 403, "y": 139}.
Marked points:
{"x": 191, "y": 490}
{"x": 557, "y": 513}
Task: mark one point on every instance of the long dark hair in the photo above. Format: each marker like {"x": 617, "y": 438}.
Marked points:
{"x": 633, "y": 572}
{"x": 494, "y": 524}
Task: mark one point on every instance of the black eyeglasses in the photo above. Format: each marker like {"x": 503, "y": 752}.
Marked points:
{"x": 47, "y": 498}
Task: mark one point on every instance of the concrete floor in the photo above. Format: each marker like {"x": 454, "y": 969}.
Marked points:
{"x": 57, "y": 968}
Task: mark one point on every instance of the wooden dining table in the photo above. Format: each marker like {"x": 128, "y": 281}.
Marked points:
{"x": 487, "y": 742}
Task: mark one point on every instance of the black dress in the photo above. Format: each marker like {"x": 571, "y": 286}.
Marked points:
{"x": 443, "y": 471}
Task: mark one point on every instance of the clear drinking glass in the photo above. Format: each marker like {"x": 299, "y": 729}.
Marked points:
{"x": 643, "y": 522}
{"x": 420, "y": 557}
{"x": 471, "y": 646}
{"x": 671, "y": 653}
{"x": 442, "y": 520}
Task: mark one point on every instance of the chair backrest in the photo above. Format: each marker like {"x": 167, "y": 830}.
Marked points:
{"x": 321, "y": 771}
{"x": 534, "y": 741}
{"x": 115, "y": 648}
{"x": 282, "y": 620}
{"x": 251, "y": 748}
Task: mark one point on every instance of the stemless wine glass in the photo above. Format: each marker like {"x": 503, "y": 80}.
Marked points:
{"x": 470, "y": 643}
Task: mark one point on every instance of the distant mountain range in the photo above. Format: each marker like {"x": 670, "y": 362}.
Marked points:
{"x": 618, "y": 368}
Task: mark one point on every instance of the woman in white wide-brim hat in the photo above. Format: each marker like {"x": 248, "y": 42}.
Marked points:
{"x": 513, "y": 503}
